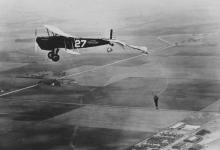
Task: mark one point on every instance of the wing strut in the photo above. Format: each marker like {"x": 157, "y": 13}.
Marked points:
{"x": 72, "y": 44}
{"x": 65, "y": 43}
{"x": 48, "y": 32}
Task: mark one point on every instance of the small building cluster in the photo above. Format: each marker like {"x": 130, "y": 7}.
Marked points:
{"x": 176, "y": 137}
{"x": 158, "y": 141}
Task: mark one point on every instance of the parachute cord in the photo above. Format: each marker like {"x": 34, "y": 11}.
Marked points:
{"x": 163, "y": 88}
{"x": 73, "y": 137}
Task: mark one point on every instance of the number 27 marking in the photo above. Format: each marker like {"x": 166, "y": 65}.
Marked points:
{"x": 80, "y": 43}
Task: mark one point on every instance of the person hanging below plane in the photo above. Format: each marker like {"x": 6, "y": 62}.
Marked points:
{"x": 156, "y": 99}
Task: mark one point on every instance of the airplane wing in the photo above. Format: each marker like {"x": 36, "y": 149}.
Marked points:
{"x": 72, "y": 52}
{"x": 123, "y": 44}
{"x": 57, "y": 30}
{"x": 140, "y": 48}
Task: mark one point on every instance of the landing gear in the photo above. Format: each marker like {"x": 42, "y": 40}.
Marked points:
{"x": 109, "y": 49}
{"x": 50, "y": 55}
{"x": 54, "y": 55}
{"x": 56, "y": 58}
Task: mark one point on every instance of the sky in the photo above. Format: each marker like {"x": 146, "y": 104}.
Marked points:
{"x": 77, "y": 16}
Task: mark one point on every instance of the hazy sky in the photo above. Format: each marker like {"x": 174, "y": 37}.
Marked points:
{"x": 90, "y": 15}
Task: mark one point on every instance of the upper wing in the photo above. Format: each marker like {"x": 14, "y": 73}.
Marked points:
{"x": 57, "y": 31}
{"x": 123, "y": 44}
{"x": 140, "y": 48}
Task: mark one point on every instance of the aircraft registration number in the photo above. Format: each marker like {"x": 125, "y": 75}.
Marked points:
{"x": 80, "y": 43}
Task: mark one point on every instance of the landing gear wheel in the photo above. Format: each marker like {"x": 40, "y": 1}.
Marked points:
{"x": 50, "y": 55}
{"x": 109, "y": 49}
{"x": 56, "y": 58}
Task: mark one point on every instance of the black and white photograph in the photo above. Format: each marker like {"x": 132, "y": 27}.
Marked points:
{"x": 109, "y": 75}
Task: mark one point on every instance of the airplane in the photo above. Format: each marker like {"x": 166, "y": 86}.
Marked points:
{"x": 57, "y": 39}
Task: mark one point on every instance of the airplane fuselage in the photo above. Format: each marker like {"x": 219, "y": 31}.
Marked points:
{"x": 54, "y": 42}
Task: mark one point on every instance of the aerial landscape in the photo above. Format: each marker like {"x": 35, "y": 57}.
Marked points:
{"x": 101, "y": 100}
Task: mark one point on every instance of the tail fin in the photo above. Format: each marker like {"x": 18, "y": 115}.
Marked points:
{"x": 111, "y": 34}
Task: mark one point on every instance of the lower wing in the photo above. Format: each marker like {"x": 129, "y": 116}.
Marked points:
{"x": 72, "y": 52}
